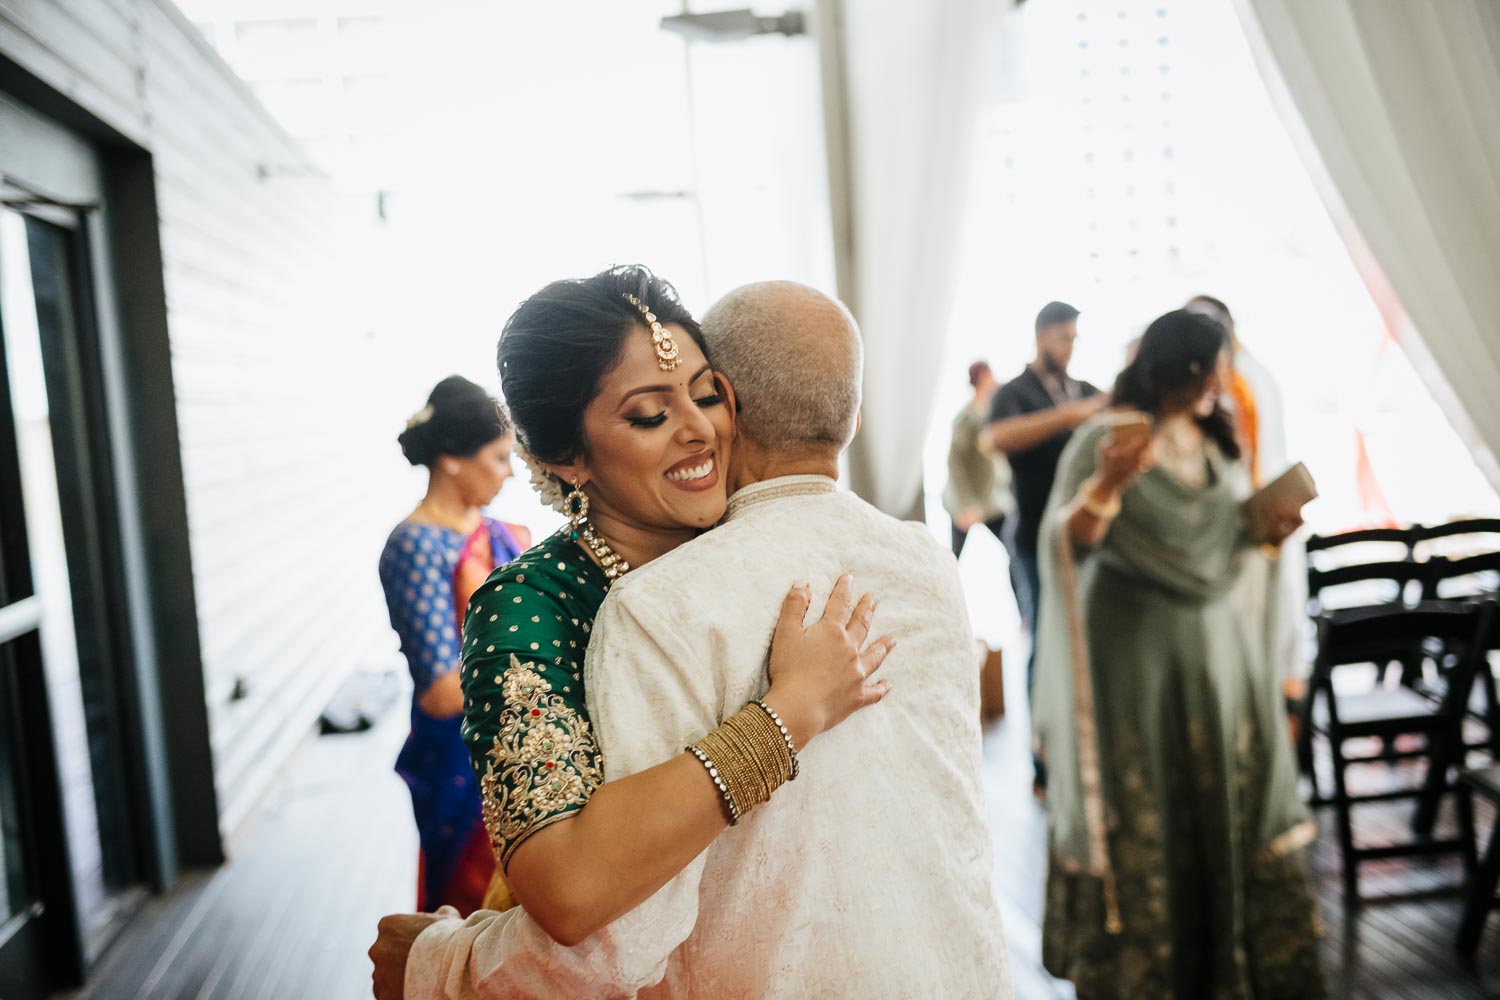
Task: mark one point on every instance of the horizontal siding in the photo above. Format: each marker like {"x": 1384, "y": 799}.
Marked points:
{"x": 279, "y": 487}
{"x": 64, "y": 49}
{"x": 289, "y": 469}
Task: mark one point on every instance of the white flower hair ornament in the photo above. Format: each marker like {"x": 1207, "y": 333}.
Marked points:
{"x": 546, "y": 485}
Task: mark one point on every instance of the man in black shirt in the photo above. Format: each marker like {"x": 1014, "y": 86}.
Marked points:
{"x": 1031, "y": 418}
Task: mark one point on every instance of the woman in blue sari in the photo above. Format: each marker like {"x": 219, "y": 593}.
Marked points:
{"x": 433, "y": 562}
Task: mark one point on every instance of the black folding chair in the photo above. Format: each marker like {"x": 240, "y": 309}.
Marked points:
{"x": 1377, "y": 635}
{"x": 1469, "y": 578}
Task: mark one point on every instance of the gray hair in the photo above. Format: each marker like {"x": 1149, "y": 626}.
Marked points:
{"x": 794, "y": 358}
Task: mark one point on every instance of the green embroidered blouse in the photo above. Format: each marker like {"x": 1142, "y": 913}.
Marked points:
{"x": 525, "y": 721}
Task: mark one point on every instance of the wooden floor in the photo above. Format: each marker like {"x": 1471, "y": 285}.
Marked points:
{"x": 291, "y": 914}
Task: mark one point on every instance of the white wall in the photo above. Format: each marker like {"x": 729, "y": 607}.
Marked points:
{"x": 285, "y": 445}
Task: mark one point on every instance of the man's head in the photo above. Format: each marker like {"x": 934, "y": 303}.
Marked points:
{"x": 1214, "y": 308}
{"x": 982, "y": 379}
{"x": 1056, "y": 329}
{"x": 794, "y": 358}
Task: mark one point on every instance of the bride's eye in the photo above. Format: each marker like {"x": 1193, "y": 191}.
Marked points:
{"x": 707, "y": 401}
{"x": 655, "y": 421}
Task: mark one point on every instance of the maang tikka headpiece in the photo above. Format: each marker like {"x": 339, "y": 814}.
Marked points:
{"x": 666, "y": 347}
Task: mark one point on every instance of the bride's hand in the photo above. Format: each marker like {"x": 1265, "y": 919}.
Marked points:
{"x": 820, "y": 673}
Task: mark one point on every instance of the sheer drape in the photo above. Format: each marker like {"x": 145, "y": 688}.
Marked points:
{"x": 1395, "y": 106}
{"x": 913, "y": 75}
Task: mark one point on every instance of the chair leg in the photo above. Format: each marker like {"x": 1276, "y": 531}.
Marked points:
{"x": 1445, "y": 749}
{"x": 1306, "y": 760}
{"x": 1480, "y": 896}
{"x": 1491, "y": 707}
{"x": 1342, "y": 807}
{"x": 1464, "y": 799}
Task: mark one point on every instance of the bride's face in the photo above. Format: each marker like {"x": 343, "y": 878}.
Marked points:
{"x": 658, "y": 442}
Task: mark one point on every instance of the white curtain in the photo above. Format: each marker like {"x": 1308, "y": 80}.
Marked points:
{"x": 913, "y": 75}
{"x": 1395, "y": 107}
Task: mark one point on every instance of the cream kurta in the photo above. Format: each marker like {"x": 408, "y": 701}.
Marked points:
{"x": 869, "y": 876}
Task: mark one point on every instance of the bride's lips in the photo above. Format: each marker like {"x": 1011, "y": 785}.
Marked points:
{"x": 695, "y": 473}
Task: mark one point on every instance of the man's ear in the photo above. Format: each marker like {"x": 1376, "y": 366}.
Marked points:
{"x": 726, "y": 390}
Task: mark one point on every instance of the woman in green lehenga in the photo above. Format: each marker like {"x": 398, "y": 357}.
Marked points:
{"x": 1175, "y": 829}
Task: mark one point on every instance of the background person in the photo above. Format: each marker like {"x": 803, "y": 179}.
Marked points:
{"x": 978, "y": 490}
{"x": 432, "y": 563}
{"x": 1176, "y": 833}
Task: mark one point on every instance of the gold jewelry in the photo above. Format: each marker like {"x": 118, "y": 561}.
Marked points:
{"x": 791, "y": 748}
{"x": 713, "y": 772}
{"x": 748, "y": 757}
{"x": 666, "y": 348}
{"x": 1103, "y": 510}
{"x": 577, "y": 505}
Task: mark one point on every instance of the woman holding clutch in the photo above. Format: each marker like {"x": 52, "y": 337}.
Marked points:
{"x": 1175, "y": 828}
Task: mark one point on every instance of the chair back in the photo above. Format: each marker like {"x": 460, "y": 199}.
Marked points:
{"x": 1368, "y": 584}
{"x": 1381, "y": 634}
{"x": 1454, "y": 538}
{"x": 1482, "y": 573}
{"x": 1404, "y": 537}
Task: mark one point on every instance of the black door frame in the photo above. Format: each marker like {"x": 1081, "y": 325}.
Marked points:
{"x": 133, "y": 497}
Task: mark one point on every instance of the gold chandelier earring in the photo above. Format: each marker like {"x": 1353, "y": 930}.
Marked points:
{"x": 577, "y": 504}
{"x": 582, "y": 529}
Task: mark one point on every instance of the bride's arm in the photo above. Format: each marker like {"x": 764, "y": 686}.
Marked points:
{"x": 634, "y": 834}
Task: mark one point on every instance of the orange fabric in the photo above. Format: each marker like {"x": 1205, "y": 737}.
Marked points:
{"x": 1247, "y": 423}
{"x": 1376, "y": 510}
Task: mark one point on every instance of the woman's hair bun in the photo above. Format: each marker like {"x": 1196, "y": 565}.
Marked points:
{"x": 459, "y": 419}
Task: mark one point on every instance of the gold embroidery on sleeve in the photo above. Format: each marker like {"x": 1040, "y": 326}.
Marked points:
{"x": 542, "y": 762}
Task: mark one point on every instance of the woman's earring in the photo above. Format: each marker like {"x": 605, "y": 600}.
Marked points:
{"x": 578, "y": 509}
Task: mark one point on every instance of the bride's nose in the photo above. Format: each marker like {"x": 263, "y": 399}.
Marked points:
{"x": 696, "y": 428}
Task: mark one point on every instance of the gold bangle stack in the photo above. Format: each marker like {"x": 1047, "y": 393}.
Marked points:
{"x": 748, "y": 757}
{"x": 1104, "y": 510}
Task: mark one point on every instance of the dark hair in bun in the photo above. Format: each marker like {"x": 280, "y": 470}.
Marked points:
{"x": 1178, "y": 352}
{"x": 560, "y": 343}
{"x": 459, "y": 419}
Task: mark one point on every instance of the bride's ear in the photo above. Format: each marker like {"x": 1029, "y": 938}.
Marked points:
{"x": 732, "y": 401}
{"x": 574, "y": 473}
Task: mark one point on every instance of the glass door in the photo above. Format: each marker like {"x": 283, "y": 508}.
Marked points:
{"x": 38, "y": 917}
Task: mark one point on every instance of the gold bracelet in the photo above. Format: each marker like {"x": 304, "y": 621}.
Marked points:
{"x": 791, "y": 748}
{"x": 713, "y": 772}
{"x": 1099, "y": 508}
{"x": 749, "y": 757}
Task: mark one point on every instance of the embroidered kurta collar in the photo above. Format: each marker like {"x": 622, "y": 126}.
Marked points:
{"x": 776, "y": 489}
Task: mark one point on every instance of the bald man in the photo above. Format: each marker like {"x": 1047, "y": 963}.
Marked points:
{"x": 869, "y": 876}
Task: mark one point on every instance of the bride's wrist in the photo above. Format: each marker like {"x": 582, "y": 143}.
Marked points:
{"x": 802, "y": 723}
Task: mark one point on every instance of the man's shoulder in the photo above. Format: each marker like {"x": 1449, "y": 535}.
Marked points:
{"x": 779, "y": 531}
{"x": 1019, "y": 395}
{"x": 674, "y": 573}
